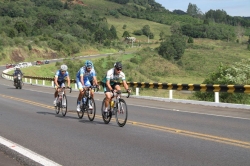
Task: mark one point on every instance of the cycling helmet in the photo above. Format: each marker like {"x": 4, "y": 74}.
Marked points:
{"x": 88, "y": 64}
{"x": 118, "y": 65}
{"x": 17, "y": 67}
{"x": 64, "y": 67}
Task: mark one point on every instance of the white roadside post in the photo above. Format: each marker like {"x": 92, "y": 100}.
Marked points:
{"x": 216, "y": 97}
{"x": 170, "y": 94}
{"x": 137, "y": 91}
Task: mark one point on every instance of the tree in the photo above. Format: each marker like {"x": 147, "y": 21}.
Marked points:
{"x": 193, "y": 10}
{"x": 124, "y": 26}
{"x": 146, "y": 30}
{"x": 21, "y": 27}
{"x": 162, "y": 36}
{"x": 126, "y": 34}
{"x": 176, "y": 29}
{"x": 239, "y": 32}
{"x": 113, "y": 32}
{"x": 173, "y": 48}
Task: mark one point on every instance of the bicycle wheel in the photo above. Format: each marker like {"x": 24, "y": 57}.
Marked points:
{"x": 91, "y": 112}
{"x": 106, "y": 116}
{"x": 64, "y": 105}
{"x": 57, "y": 107}
{"x": 121, "y": 113}
{"x": 81, "y": 113}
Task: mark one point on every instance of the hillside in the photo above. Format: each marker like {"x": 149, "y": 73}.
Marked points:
{"x": 32, "y": 30}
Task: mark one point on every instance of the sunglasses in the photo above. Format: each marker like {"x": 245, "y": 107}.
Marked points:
{"x": 89, "y": 67}
{"x": 63, "y": 71}
{"x": 119, "y": 69}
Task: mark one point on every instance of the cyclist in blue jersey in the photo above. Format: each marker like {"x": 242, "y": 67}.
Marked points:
{"x": 86, "y": 76}
{"x": 59, "y": 80}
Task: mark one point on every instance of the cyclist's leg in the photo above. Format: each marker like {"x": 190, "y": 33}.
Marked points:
{"x": 108, "y": 96}
{"x": 56, "y": 92}
{"x": 80, "y": 88}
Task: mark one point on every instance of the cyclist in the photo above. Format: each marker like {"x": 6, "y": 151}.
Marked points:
{"x": 16, "y": 72}
{"x": 59, "y": 80}
{"x": 86, "y": 76}
{"x": 111, "y": 82}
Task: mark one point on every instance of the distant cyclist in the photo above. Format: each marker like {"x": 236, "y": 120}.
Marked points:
{"x": 86, "y": 76}
{"x": 111, "y": 82}
{"x": 59, "y": 80}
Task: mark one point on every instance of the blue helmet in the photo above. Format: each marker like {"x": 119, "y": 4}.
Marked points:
{"x": 89, "y": 64}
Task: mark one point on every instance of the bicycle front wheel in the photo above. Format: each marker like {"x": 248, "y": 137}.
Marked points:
{"x": 64, "y": 105}
{"x": 121, "y": 113}
{"x": 106, "y": 116}
{"x": 91, "y": 112}
{"x": 81, "y": 112}
{"x": 57, "y": 107}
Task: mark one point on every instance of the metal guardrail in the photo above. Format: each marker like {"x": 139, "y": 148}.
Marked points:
{"x": 171, "y": 86}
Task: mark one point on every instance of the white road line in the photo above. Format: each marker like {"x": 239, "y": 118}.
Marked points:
{"x": 28, "y": 153}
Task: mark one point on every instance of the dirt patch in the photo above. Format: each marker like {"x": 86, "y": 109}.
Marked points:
{"x": 16, "y": 56}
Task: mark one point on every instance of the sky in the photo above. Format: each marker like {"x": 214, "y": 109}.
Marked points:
{"x": 232, "y": 7}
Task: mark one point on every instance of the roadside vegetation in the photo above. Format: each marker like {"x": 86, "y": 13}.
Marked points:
{"x": 175, "y": 47}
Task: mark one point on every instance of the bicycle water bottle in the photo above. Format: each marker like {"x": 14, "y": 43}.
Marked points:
{"x": 112, "y": 104}
{"x": 83, "y": 100}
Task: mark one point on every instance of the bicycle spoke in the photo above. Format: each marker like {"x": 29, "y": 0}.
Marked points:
{"x": 64, "y": 105}
{"x": 106, "y": 116}
{"x": 91, "y": 112}
{"x": 122, "y": 113}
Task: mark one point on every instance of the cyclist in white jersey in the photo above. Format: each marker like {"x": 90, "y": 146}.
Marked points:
{"x": 86, "y": 76}
{"x": 111, "y": 82}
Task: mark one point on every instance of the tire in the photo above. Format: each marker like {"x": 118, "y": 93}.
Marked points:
{"x": 81, "y": 113}
{"x": 121, "y": 113}
{"x": 64, "y": 109}
{"x": 57, "y": 109}
{"x": 91, "y": 113}
{"x": 106, "y": 118}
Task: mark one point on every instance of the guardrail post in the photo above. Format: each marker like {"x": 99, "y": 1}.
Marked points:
{"x": 170, "y": 94}
{"x": 75, "y": 86}
{"x": 30, "y": 80}
{"x": 52, "y": 83}
{"x": 137, "y": 91}
{"x": 25, "y": 80}
{"x": 216, "y": 97}
{"x": 43, "y": 82}
{"x": 36, "y": 81}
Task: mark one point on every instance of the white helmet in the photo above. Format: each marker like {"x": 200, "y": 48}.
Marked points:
{"x": 64, "y": 67}
{"x": 17, "y": 67}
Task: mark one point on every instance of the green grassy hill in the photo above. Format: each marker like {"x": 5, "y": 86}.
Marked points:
{"x": 200, "y": 58}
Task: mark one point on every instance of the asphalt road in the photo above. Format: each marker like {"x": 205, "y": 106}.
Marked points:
{"x": 157, "y": 133}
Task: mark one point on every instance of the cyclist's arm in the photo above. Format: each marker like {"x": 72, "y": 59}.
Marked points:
{"x": 55, "y": 80}
{"x": 108, "y": 84}
{"x": 95, "y": 80}
{"x": 68, "y": 80}
{"x": 81, "y": 79}
{"x": 125, "y": 84}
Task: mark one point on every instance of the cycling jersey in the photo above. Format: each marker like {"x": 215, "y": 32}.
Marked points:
{"x": 61, "y": 76}
{"x": 86, "y": 75}
{"x": 113, "y": 77}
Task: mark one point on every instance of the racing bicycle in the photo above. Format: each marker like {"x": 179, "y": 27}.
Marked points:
{"x": 86, "y": 101}
{"x": 61, "y": 102}
{"x": 118, "y": 107}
